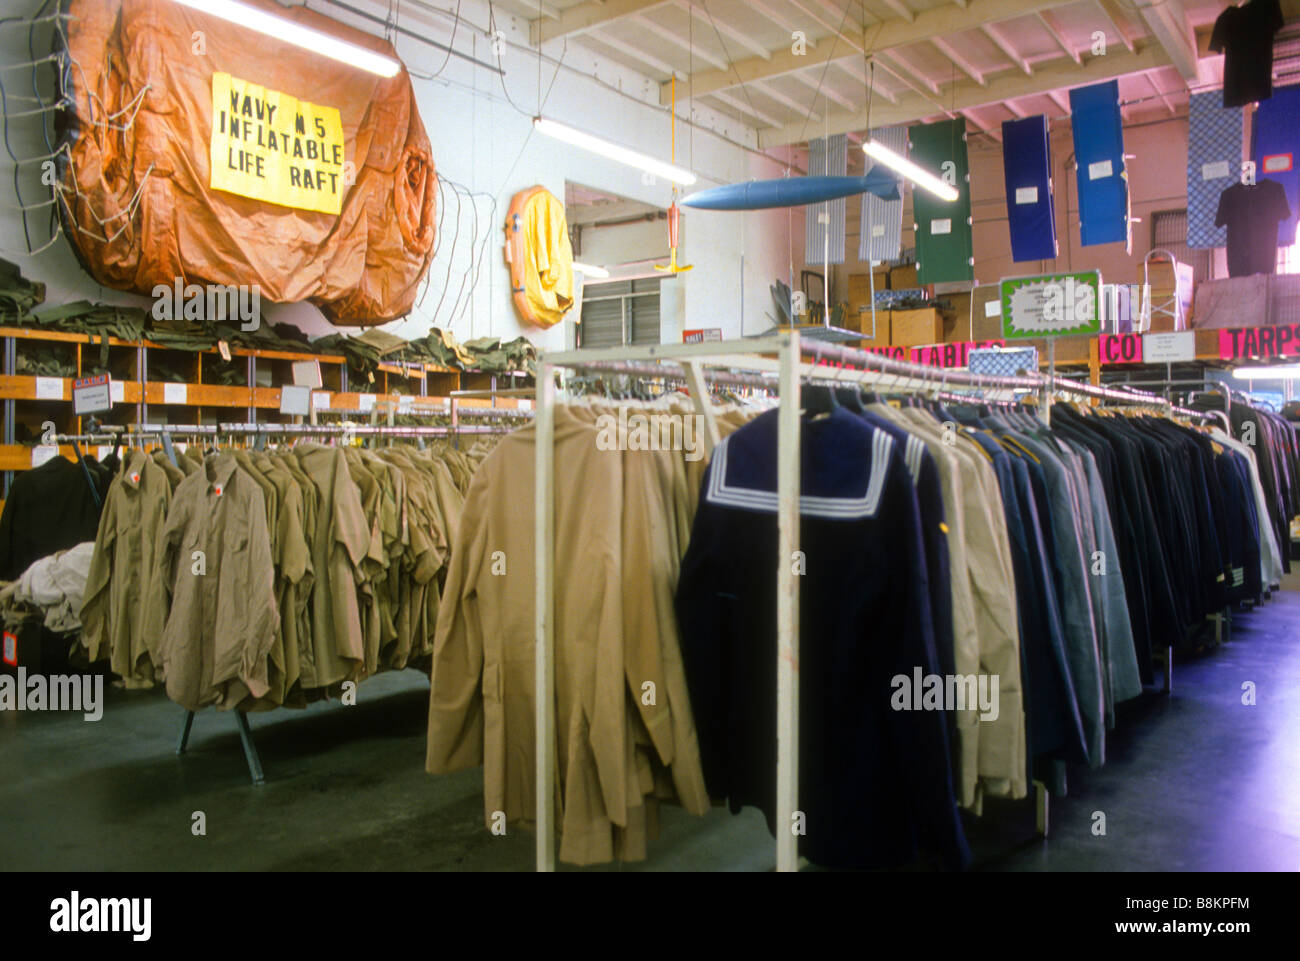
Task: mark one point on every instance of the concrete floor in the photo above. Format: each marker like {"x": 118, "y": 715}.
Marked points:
{"x": 1194, "y": 782}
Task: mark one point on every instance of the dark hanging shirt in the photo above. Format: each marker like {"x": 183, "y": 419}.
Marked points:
{"x": 1244, "y": 35}
{"x": 1252, "y": 215}
{"x": 875, "y": 786}
{"x": 50, "y": 509}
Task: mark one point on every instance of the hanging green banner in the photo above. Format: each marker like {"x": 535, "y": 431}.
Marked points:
{"x": 1051, "y": 305}
{"x": 944, "y": 250}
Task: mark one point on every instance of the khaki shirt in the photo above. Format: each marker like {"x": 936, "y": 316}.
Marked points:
{"x": 115, "y": 608}
{"x": 481, "y": 706}
{"x": 340, "y": 543}
{"x": 221, "y": 611}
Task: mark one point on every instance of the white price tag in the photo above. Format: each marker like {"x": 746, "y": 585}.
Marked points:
{"x": 941, "y": 226}
{"x": 405, "y": 404}
{"x": 993, "y": 309}
{"x": 49, "y": 388}
{"x": 525, "y": 405}
{"x": 102, "y": 451}
{"x": 1216, "y": 171}
{"x": 877, "y": 230}
{"x": 1026, "y": 195}
{"x": 1100, "y": 169}
{"x": 321, "y": 399}
{"x": 43, "y": 453}
{"x": 174, "y": 393}
{"x": 117, "y": 390}
{"x": 1172, "y": 348}
{"x": 367, "y": 401}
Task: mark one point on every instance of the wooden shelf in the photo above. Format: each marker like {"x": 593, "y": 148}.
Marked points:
{"x": 206, "y": 402}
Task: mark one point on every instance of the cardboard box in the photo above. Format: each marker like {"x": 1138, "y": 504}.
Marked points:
{"x": 903, "y": 277}
{"x": 986, "y": 327}
{"x": 957, "y": 319}
{"x": 912, "y": 327}
{"x": 861, "y": 321}
{"x": 860, "y": 299}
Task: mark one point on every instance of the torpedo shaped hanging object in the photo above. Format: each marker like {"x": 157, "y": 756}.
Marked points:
{"x": 792, "y": 192}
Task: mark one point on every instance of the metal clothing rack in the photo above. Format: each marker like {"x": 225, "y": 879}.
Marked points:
{"x": 777, "y": 363}
{"x": 164, "y": 432}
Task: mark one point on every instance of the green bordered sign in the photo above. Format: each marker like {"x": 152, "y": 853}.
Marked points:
{"x": 1051, "y": 305}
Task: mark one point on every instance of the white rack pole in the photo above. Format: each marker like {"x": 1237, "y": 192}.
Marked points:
{"x": 787, "y": 608}
{"x": 544, "y": 615}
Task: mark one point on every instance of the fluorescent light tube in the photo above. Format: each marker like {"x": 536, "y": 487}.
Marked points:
{"x": 295, "y": 33}
{"x": 918, "y": 176}
{"x": 589, "y": 271}
{"x": 613, "y": 151}
{"x": 1277, "y": 372}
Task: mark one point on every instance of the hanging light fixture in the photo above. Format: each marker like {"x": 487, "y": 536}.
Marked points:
{"x": 920, "y": 177}
{"x": 613, "y": 151}
{"x": 1276, "y": 372}
{"x": 295, "y": 33}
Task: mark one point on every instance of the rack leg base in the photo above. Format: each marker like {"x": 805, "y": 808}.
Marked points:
{"x": 184, "y": 741}
{"x": 1041, "y": 799}
{"x": 1169, "y": 670}
{"x": 250, "y": 750}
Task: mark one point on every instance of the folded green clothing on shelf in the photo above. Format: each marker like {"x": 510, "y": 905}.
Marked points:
{"x": 18, "y": 295}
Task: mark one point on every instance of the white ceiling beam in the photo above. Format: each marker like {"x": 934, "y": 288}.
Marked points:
{"x": 800, "y": 109}
{"x": 995, "y": 34}
{"x": 824, "y": 90}
{"x": 889, "y": 34}
{"x": 849, "y": 32}
{"x": 744, "y": 108}
{"x": 966, "y": 67}
{"x": 1155, "y": 88}
{"x": 858, "y": 72}
{"x": 635, "y": 53}
{"x": 682, "y": 43}
{"x": 1168, "y": 24}
{"x": 900, "y": 8}
{"x": 588, "y": 16}
{"x": 902, "y": 62}
{"x": 766, "y": 8}
{"x": 530, "y": 8}
{"x": 696, "y": 10}
{"x": 1011, "y": 105}
{"x": 837, "y": 10}
{"x": 1110, "y": 9}
{"x": 1060, "y": 100}
{"x": 1048, "y": 78}
{"x": 994, "y": 130}
{"x": 1050, "y": 24}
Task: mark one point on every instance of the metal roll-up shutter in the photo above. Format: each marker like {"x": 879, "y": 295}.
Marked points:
{"x": 619, "y": 313}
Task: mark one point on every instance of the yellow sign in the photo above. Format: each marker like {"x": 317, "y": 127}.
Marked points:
{"x": 270, "y": 146}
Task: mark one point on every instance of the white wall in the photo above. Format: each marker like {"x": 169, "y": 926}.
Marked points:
{"x": 482, "y": 142}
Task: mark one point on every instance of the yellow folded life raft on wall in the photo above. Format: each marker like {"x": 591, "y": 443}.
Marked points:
{"x": 540, "y": 257}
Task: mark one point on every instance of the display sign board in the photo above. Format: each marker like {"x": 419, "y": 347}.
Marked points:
{"x": 955, "y": 354}
{"x": 273, "y": 147}
{"x": 703, "y": 336}
{"x": 1170, "y": 348}
{"x": 1051, "y": 305}
{"x": 91, "y": 395}
{"x": 1259, "y": 342}
{"x": 1167, "y": 348}
{"x": 306, "y": 373}
{"x": 295, "y": 400}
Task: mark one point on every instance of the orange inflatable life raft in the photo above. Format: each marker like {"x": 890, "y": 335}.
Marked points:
{"x": 540, "y": 257}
